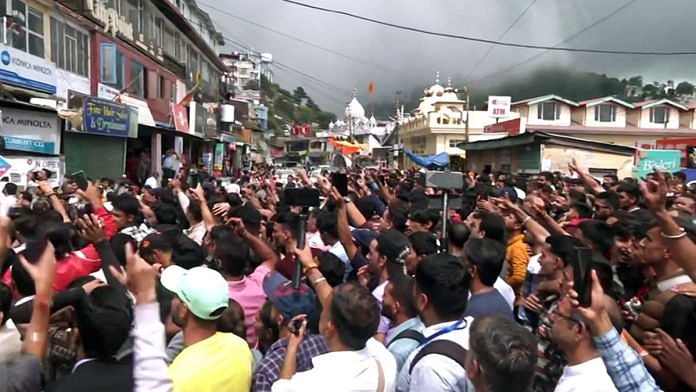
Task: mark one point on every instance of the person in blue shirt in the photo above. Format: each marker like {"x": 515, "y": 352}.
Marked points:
{"x": 406, "y": 327}
{"x": 484, "y": 260}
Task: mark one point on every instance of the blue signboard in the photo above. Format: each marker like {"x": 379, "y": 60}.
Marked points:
{"x": 30, "y": 145}
{"x": 107, "y": 118}
{"x": 26, "y": 70}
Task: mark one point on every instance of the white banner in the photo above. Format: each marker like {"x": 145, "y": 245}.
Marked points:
{"x": 26, "y": 70}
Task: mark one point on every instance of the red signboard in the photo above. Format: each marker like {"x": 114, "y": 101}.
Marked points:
{"x": 180, "y": 118}
{"x": 680, "y": 144}
{"x": 511, "y": 127}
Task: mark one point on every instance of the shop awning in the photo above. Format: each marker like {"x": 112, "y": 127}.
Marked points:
{"x": 430, "y": 162}
{"x": 144, "y": 113}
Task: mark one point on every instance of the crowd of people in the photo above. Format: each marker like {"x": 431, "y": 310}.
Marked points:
{"x": 198, "y": 286}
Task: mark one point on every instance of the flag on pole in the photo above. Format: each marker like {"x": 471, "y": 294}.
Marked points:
{"x": 371, "y": 87}
{"x": 189, "y": 95}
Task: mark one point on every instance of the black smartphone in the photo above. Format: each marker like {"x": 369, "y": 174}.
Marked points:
{"x": 303, "y": 197}
{"x": 582, "y": 283}
{"x": 193, "y": 180}
{"x": 340, "y": 181}
{"x": 295, "y": 326}
{"x": 80, "y": 179}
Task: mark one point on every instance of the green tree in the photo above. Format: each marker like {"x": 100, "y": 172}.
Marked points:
{"x": 685, "y": 88}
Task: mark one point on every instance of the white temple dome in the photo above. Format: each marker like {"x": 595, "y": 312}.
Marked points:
{"x": 355, "y": 110}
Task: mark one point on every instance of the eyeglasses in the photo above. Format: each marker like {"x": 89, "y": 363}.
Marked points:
{"x": 557, "y": 314}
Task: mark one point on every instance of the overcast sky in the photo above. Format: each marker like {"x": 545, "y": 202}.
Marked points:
{"x": 401, "y": 60}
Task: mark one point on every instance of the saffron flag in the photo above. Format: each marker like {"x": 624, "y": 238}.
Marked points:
{"x": 189, "y": 95}
{"x": 371, "y": 87}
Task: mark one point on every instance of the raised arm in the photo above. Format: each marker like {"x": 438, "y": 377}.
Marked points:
{"x": 590, "y": 183}
{"x": 675, "y": 238}
{"x": 342, "y": 225}
{"x": 208, "y": 218}
{"x": 47, "y": 191}
{"x": 262, "y": 251}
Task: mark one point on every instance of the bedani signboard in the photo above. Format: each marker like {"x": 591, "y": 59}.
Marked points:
{"x": 25, "y": 70}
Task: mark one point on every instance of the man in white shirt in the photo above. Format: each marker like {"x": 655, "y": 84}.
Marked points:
{"x": 441, "y": 290}
{"x": 355, "y": 362}
{"x": 9, "y": 198}
{"x": 152, "y": 181}
{"x": 585, "y": 371}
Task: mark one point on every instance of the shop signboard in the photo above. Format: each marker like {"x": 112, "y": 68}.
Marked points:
{"x": 219, "y": 156}
{"x": 498, "y": 107}
{"x": 26, "y": 70}
{"x": 21, "y": 165}
{"x": 4, "y": 166}
{"x": 31, "y": 131}
{"x": 109, "y": 118}
{"x": 648, "y": 160}
{"x": 180, "y": 118}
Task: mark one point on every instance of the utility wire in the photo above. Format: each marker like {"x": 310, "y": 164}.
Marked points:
{"x": 488, "y": 41}
{"x": 328, "y": 50}
{"x": 490, "y": 48}
{"x": 570, "y": 38}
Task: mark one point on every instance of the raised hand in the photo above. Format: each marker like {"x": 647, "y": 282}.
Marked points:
{"x": 43, "y": 271}
{"x": 91, "y": 228}
{"x": 655, "y": 192}
{"x": 140, "y": 277}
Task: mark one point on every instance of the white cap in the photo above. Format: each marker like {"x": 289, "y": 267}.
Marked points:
{"x": 232, "y": 188}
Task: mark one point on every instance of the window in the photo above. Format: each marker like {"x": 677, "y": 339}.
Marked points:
{"x": 453, "y": 142}
{"x": 418, "y": 144}
{"x": 169, "y": 42}
{"x": 157, "y": 33}
{"x": 137, "y": 79}
{"x": 605, "y": 112}
{"x": 659, "y": 115}
{"x": 193, "y": 62}
{"x": 29, "y": 35}
{"x": 548, "y": 111}
{"x": 111, "y": 65}
{"x": 69, "y": 48}
{"x": 133, "y": 13}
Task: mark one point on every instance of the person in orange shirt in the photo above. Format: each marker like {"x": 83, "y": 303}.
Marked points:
{"x": 516, "y": 255}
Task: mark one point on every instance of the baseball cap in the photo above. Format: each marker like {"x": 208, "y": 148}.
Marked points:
{"x": 363, "y": 236}
{"x": 232, "y": 188}
{"x": 289, "y": 301}
{"x": 202, "y": 289}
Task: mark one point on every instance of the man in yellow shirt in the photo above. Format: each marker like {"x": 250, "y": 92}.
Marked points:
{"x": 211, "y": 361}
{"x": 516, "y": 255}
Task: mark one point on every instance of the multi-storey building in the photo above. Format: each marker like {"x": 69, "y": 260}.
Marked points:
{"x": 114, "y": 70}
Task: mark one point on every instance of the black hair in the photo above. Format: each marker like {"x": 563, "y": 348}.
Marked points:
{"x": 611, "y": 198}
{"x": 366, "y": 207}
{"x": 268, "y": 324}
{"x": 166, "y": 213}
{"x": 402, "y": 291}
{"x": 423, "y": 243}
{"x": 393, "y": 245}
{"x": 630, "y": 188}
{"x": 443, "y": 278}
{"x": 290, "y": 221}
{"x": 680, "y": 175}
{"x": 613, "y": 177}
{"x": 59, "y": 235}
{"x": 493, "y": 225}
{"x": 232, "y": 319}
{"x": 105, "y": 322}
{"x": 547, "y": 175}
{"x": 26, "y": 195}
{"x": 398, "y": 215}
{"x": 5, "y": 302}
{"x": 563, "y": 246}
{"x": 457, "y": 234}
{"x": 195, "y": 210}
{"x": 233, "y": 255}
{"x": 584, "y": 211}
{"x": 326, "y": 224}
{"x": 127, "y": 204}
{"x": 332, "y": 267}
{"x": 355, "y": 314}
{"x": 487, "y": 256}
{"x": 424, "y": 216}
{"x": 186, "y": 253}
{"x": 10, "y": 189}
{"x": 599, "y": 233}
{"x": 118, "y": 244}
{"x": 506, "y": 353}
{"x": 250, "y": 216}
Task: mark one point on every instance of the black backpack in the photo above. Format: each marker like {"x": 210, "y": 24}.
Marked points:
{"x": 408, "y": 334}
{"x": 447, "y": 348}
